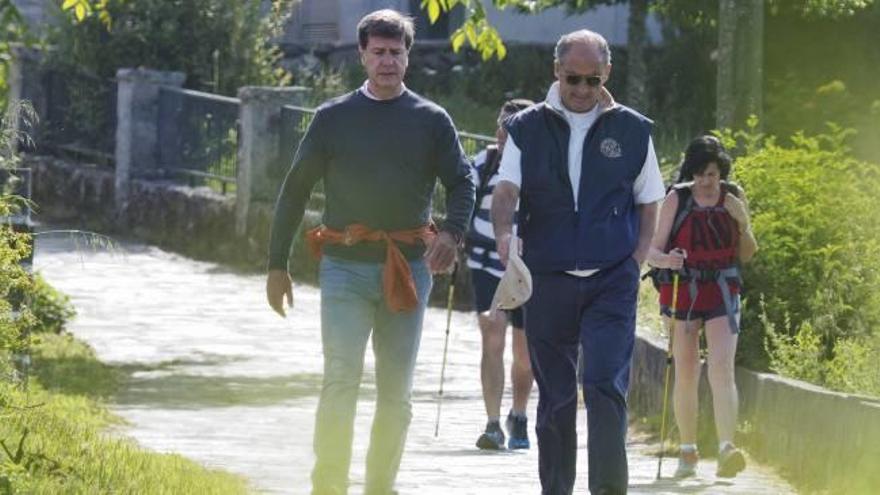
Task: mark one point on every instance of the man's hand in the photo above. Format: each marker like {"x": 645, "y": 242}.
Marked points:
{"x": 502, "y": 246}
{"x": 278, "y": 285}
{"x": 737, "y": 210}
{"x": 441, "y": 253}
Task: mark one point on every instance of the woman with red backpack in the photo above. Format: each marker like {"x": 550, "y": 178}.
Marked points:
{"x": 702, "y": 236}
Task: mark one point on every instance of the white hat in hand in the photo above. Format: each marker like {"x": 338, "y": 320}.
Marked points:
{"x": 515, "y": 286}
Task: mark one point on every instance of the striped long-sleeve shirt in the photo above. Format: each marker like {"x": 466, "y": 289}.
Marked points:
{"x": 481, "y": 237}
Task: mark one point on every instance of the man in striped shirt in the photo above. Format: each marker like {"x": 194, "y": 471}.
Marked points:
{"x": 486, "y": 270}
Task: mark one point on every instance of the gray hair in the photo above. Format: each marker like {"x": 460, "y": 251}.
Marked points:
{"x": 585, "y": 37}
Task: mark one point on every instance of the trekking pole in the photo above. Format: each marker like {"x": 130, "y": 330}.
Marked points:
{"x": 449, "y": 299}
{"x": 668, "y": 367}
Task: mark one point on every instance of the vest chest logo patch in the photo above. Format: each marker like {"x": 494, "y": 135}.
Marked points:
{"x": 610, "y": 148}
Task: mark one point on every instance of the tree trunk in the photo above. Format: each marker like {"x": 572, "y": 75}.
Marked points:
{"x": 635, "y": 67}
{"x": 740, "y": 62}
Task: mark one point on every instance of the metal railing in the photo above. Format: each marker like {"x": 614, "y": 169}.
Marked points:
{"x": 473, "y": 143}
{"x": 294, "y": 123}
{"x": 80, "y": 120}
{"x": 198, "y": 137}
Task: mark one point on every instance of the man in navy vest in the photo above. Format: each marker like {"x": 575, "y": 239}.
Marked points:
{"x": 588, "y": 184}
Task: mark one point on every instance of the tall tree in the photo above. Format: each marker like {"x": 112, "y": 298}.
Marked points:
{"x": 636, "y": 41}
{"x": 740, "y": 79}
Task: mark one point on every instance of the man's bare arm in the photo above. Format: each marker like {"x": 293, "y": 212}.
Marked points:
{"x": 504, "y": 199}
{"x": 647, "y": 226}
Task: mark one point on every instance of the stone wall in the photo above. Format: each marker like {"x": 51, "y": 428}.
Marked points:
{"x": 193, "y": 221}
{"x": 71, "y": 194}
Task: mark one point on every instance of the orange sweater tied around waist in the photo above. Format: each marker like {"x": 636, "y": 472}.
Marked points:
{"x": 399, "y": 287}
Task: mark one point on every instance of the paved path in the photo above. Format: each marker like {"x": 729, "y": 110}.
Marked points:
{"x": 233, "y": 386}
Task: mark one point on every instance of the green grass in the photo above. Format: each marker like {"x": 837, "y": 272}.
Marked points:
{"x": 55, "y": 437}
{"x": 648, "y": 311}
{"x": 65, "y": 365}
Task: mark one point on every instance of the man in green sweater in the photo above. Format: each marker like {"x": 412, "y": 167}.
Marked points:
{"x": 379, "y": 151}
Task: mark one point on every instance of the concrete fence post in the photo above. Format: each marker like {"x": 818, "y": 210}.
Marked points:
{"x": 260, "y": 146}
{"x": 137, "y": 128}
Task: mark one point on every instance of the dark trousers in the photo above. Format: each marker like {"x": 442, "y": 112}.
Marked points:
{"x": 597, "y": 312}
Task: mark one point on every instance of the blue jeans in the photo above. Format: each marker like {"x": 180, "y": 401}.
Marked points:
{"x": 353, "y": 306}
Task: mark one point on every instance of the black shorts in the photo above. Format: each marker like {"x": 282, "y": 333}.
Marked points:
{"x": 705, "y": 315}
{"x": 484, "y": 285}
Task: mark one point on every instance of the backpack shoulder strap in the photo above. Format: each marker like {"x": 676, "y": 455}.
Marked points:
{"x": 685, "y": 205}
{"x": 490, "y": 167}
{"x": 732, "y": 188}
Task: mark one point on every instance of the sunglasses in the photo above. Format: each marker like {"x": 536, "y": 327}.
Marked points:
{"x": 592, "y": 81}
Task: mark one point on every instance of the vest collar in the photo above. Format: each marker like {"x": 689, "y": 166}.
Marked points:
{"x": 554, "y": 101}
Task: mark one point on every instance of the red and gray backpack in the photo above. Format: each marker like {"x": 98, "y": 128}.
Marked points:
{"x": 692, "y": 276}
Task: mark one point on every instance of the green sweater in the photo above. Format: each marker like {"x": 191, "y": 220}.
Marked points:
{"x": 379, "y": 161}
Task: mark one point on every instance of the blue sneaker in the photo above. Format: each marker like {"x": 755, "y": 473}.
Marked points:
{"x": 518, "y": 429}
{"x": 492, "y": 438}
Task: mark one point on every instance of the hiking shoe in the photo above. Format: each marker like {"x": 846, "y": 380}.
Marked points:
{"x": 687, "y": 465}
{"x": 730, "y": 462}
{"x": 518, "y": 429}
{"x": 492, "y": 438}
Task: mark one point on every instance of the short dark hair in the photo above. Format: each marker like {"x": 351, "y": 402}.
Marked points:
{"x": 699, "y": 154}
{"x": 515, "y": 105}
{"x": 386, "y": 23}
{"x": 510, "y": 107}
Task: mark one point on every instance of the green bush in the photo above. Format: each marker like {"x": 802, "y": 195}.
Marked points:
{"x": 51, "y": 308}
{"x": 16, "y": 317}
{"x": 798, "y": 355}
{"x": 42, "y": 308}
{"x": 219, "y": 44}
{"x": 813, "y": 213}
{"x": 853, "y": 367}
